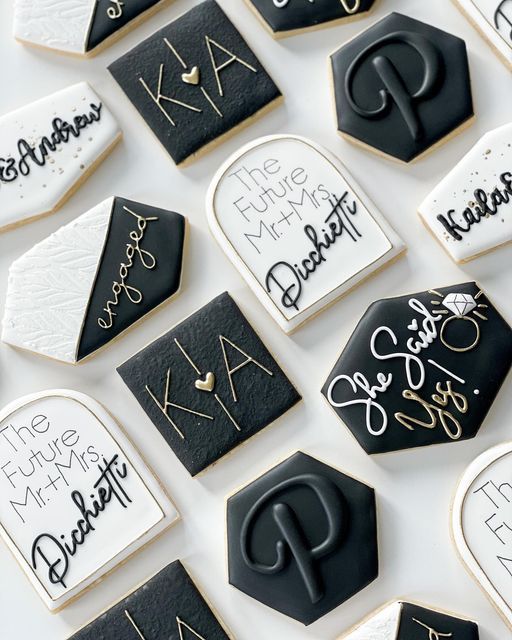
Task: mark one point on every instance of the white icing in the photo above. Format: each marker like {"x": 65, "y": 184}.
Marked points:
{"x": 57, "y": 24}
{"x": 54, "y": 443}
{"x": 382, "y": 626}
{"x": 482, "y": 524}
{"x": 50, "y": 285}
{"x": 44, "y": 188}
{"x": 291, "y": 181}
{"x": 499, "y": 31}
{"x": 481, "y": 168}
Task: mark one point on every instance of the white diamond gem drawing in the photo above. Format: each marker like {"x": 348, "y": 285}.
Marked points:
{"x": 459, "y": 303}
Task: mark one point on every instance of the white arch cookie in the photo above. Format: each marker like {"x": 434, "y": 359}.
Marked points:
{"x": 76, "y": 498}
{"x": 481, "y": 521}
{"x": 48, "y": 147}
{"x": 297, "y": 226}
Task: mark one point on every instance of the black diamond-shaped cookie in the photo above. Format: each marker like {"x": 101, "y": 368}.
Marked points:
{"x": 168, "y": 606}
{"x": 209, "y": 384}
{"x": 409, "y": 621}
{"x": 421, "y": 369}
{"x": 195, "y": 80}
{"x": 302, "y": 538}
{"x": 401, "y": 86}
{"x": 287, "y": 17}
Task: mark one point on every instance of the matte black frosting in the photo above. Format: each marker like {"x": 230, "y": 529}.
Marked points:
{"x": 301, "y": 14}
{"x": 187, "y": 60}
{"x": 420, "y": 623}
{"x": 401, "y": 86}
{"x": 152, "y": 252}
{"x": 302, "y": 538}
{"x": 189, "y": 363}
{"x": 465, "y": 357}
{"x": 112, "y": 15}
{"x": 159, "y": 609}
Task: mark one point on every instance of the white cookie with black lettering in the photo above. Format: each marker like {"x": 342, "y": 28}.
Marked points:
{"x": 470, "y": 210}
{"x": 297, "y": 226}
{"x": 76, "y": 498}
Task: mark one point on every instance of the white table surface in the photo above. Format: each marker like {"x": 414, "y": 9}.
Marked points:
{"x": 414, "y": 488}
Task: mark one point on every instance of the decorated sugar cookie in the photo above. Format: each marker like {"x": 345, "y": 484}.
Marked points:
{"x": 79, "y": 27}
{"x": 470, "y": 210}
{"x": 297, "y": 226}
{"x": 76, "y": 497}
{"x": 493, "y": 18}
{"x": 194, "y": 81}
{"x": 209, "y": 384}
{"x": 401, "y": 620}
{"x": 401, "y": 87}
{"x": 421, "y": 369}
{"x": 169, "y": 605}
{"x": 302, "y": 538}
{"x": 481, "y": 525}
{"x": 91, "y": 280}
{"x": 288, "y": 17}
{"x": 48, "y": 148}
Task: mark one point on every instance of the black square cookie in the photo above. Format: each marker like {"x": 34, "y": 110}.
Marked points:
{"x": 194, "y": 80}
{"x": 209, "y": 384}
{"x": 169, "y": 606}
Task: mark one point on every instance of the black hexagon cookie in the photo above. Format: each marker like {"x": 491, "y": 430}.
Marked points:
{"x": 288, "y": 17}
{"x": 421, "y": 369}
{"x": 401, "y": 87}
{"x": 302, "y": 538}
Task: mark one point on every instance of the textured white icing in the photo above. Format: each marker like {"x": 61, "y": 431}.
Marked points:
{"x": 482, "y": 13}
{"x": 50, "y": 285}
{"x": 42, "y": 190}
{"x": 482, "y": 524}
{"x": 57, "y": 24}
{"x": 382, "y": 626}
{"x": 74, "y": 435}
{"x": 481, "y": 168}
{"x": 303, "y": 175}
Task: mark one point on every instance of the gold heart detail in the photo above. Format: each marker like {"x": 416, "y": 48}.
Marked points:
{"x": 192, "y": 77}
{"x": 207, "y": 384}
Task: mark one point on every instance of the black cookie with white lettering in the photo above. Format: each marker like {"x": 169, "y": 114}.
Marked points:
{"x": 94, "y": 278}
{"x": 421, "y": 369}
{"x": 78, "y": 28}
{"x": 209, "y": 384}
{"x": 401, "y": 620}
{"x": 288, "y": 17}
{"x": 401, "y": 87}
{"x": 169, "y": 605}
{"x": 302, "y": 538}
{"x": 195, "y": 80}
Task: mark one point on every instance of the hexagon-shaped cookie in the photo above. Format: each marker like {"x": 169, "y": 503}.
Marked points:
{"x": 421, "y": 369}
{"x": 302, "y": 538}
{"x": 401, "y": 87}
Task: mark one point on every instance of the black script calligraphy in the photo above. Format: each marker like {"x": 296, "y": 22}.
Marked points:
{"x": 485, "y": 205}
{"x": 290, "y": 278}
{"x": 394, "y": 87}
{"x": 56, "y": 552}
{"x": 293, "y": 540}
{"x": 133, "y": 250}
{"x": 499, "y": 14}
{"x": 11, "y": 168}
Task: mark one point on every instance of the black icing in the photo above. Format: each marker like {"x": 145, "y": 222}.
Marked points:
{"x": 401, "y": 86}
{"x": 112, "y": 15}
{"x": 155, "y": 609}
{"x": 261, "y": 398}
{"x": 246, "y": 86}
{"x": 282, "y": 550}
{"x": 420, "y": 623}
{"x": 301, "y": 14}
{"x": 158, "y": 244}
{"x": 482, "y": 369}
